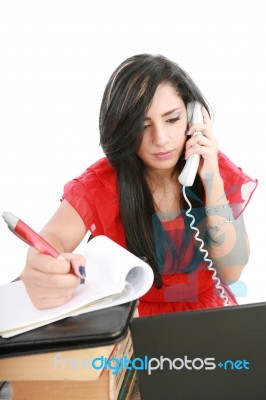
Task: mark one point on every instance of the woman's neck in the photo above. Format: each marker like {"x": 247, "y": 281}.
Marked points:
{"x": 162, "y": 180}
{"x": 165, "y": 191}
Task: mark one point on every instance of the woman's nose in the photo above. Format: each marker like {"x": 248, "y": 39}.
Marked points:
{"x": 160, "y": 136}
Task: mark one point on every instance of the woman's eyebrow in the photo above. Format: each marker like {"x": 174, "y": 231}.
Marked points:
{"x": 166, "y": 113}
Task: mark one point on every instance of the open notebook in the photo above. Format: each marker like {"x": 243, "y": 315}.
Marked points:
{"x": 114, "y": 276}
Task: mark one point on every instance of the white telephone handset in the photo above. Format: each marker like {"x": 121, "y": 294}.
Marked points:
{"x": 187, "y": 176}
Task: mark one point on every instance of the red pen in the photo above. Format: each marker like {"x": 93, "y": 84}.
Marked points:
{"x": 25, "y": 233}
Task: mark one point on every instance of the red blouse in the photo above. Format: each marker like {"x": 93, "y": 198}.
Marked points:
{"x": 183, "y": 291}
{"x": 94, "y": 195}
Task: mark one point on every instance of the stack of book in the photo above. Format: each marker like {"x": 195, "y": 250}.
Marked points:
{"x": 65, "y": 374}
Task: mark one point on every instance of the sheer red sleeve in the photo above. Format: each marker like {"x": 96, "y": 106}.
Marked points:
{"x": 238, "y": 186}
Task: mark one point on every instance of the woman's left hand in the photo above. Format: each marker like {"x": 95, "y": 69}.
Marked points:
{"x": 204, "y": 144}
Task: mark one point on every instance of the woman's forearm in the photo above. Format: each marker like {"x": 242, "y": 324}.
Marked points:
{"x": 227, "y": 242}
{"x": 228, "y": 248}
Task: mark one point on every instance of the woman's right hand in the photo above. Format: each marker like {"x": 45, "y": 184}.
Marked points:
{"x": 52, "y": 282}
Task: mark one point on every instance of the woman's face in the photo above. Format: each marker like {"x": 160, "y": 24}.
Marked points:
{"x": 164, "y": 130}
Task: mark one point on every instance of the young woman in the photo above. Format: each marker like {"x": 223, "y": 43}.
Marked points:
{"x": 133, "y": 196}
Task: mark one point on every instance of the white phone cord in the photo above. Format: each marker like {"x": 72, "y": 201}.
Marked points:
{"x": 202, "y": 250}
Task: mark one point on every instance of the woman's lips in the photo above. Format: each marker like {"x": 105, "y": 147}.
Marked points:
{"x": 164, "y": 155}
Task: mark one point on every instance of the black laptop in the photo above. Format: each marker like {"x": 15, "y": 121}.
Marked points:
{"x": 213, "y": 354}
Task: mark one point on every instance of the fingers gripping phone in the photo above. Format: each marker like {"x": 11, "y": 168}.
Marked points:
{"x": 187, "y": 176}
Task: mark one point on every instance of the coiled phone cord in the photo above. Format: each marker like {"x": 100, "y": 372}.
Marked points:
{"x": 205, "y": 252}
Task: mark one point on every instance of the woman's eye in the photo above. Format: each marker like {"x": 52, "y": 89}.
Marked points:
{"x": 173, "y": 120}
{"x": 146, "y": 126}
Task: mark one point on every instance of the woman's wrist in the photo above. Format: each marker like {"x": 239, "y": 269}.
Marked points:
{"x": 217, "y": 216}
{"x": 214, "y": 191}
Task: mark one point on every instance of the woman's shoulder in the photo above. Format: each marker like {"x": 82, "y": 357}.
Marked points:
{"x": 102, "y": 165}
{"x": 97, "y": 181}
{"x": 94, "y": 195}
{"x": 101, "y": 173}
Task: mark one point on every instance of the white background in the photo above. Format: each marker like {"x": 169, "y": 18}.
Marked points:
{"x": 56, "y": 58}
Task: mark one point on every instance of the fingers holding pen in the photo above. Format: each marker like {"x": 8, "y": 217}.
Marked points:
{"x": 44, "y": 271}
{"x": 66, "y": 263}
{"x": 77, "y": 264}
{"x": 52, "y": 282}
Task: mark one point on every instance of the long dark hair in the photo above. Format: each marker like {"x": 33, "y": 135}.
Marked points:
{"x": 127, "y": 97}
